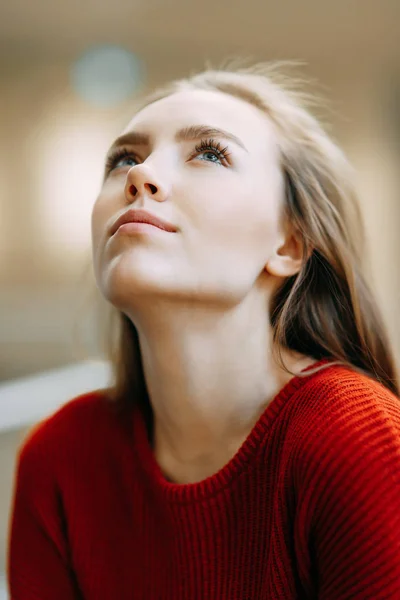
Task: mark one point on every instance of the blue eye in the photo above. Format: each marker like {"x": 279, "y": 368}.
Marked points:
{"x": 118, "y": 156}
{"x": 212, "y": 156}
{"x": 213, "y": 150}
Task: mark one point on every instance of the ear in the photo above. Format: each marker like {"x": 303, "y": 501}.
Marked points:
{"x": 287, "y": 256}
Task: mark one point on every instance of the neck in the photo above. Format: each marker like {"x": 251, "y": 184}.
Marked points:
{"x": 209, "y": 377}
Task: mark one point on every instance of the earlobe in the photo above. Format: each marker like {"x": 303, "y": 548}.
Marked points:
{"x": 283, "y": 266}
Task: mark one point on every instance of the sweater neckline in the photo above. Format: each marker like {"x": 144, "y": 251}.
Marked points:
{"x": 212, "y": 485}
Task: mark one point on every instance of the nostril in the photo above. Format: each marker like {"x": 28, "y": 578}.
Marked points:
{"x": 133, "y": 190}
{"x": 152, "y": 188}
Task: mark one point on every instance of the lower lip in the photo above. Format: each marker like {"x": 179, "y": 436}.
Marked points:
{"x": 138, "y": 228}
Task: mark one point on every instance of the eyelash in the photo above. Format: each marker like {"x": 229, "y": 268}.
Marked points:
{"x": 212, "y": 146}
{"x": 204, "y": 146}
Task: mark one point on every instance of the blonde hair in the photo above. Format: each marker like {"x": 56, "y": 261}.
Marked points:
{"x": 327, "y": 309}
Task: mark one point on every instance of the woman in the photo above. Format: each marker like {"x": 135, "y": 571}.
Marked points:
{"x": 250, "y": 447}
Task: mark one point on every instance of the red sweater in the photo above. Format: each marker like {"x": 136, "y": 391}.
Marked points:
{"x": 309, "y": 507}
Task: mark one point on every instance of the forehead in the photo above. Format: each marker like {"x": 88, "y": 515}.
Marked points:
{"x": 212, "y": 108}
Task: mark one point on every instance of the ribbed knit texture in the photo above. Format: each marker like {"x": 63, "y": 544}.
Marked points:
{"x": 309, "y": 507}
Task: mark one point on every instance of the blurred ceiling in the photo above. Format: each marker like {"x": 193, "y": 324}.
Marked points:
{"x": 326, "y": 32}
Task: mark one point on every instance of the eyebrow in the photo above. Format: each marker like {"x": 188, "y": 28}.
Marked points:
{"x": 187, "y": 134}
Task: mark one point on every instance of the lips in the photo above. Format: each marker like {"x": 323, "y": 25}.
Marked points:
{"x": 141, "y": 216}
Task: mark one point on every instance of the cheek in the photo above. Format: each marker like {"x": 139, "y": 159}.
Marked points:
{"x": 213, "y": 196}
{"x": 101, "y": 214}
{"x": 103, "y": 209}
{"x": 243, "y": 211}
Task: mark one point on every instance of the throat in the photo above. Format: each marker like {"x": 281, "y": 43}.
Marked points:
{"x": 184, "y": 465}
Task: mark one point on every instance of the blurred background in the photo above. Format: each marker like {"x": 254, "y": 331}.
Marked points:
{"x": 69, "y": 73}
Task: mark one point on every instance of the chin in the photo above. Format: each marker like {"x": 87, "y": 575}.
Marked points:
{"x": 126, "y": 280}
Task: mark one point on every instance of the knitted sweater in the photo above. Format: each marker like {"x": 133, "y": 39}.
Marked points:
{"x": 309, "y": 506}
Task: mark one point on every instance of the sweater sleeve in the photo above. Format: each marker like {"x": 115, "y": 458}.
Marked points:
{"x": 354, "y": 483}
{"x": 38, "y": 567}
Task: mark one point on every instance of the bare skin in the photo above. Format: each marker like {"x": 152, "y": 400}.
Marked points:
{"x": 199, "y": 296}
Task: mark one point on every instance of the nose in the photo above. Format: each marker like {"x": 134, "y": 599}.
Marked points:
{"x": 141, "y": 181}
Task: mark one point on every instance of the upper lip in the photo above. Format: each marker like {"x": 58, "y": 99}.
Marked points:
{"x": 134, "y": 215}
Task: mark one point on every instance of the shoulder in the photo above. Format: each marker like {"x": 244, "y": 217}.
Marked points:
{"x": 346, "y": 419}
{"x": 346, "y": 459}
{"x": 79, "y": 422}
{"x": 339, "y": 392}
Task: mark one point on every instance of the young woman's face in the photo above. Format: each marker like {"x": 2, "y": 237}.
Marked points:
{"x": 207, "y": 163}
